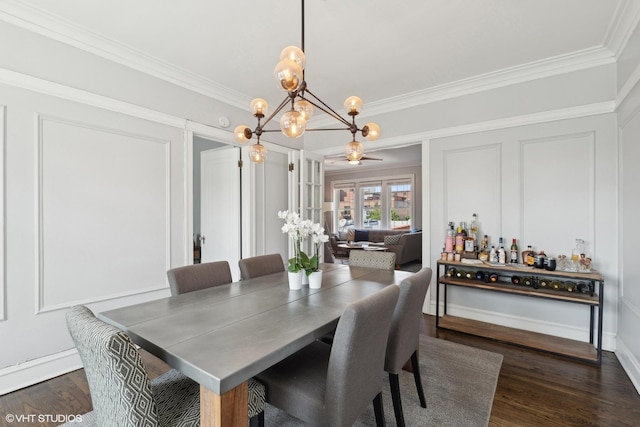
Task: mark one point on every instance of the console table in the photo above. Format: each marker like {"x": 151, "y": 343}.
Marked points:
{"x": 561, "y": 286}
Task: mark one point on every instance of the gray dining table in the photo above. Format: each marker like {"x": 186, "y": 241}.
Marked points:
{"x": 222, "y": 336}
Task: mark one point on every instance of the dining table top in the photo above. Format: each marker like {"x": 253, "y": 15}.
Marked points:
{"x": 224, "y": 335}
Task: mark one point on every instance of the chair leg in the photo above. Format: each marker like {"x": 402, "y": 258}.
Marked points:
{"x": 378, "y": 410}
{"x": 394, "y": 384}
{"x": 257, "y": 420}
{"x": 416, "y": 376}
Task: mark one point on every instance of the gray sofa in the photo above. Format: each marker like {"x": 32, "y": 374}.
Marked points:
{"x": 407, "y": 249}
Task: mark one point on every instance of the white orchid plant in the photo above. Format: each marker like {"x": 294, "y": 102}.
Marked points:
{"x": 299, "y": 229}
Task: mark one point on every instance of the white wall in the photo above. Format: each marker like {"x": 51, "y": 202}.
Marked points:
{"x": 510, "y": 128}
{"x": 628, "y": 342}
{"x": 545, "y": 185}
{"x": 97, "y": 192}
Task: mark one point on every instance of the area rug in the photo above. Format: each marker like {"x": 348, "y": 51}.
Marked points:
{"x": 459, "y": 384}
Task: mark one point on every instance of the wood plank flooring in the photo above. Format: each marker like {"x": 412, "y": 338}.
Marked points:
{"x": 534, "y": 389}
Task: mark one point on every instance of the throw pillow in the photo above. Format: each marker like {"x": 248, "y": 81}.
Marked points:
{"x": 361, "y": 236}
{"x": 351, "y": 235}
{"x": 392, "y": 239}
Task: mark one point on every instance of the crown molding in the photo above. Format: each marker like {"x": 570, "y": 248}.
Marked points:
{"x": 54, "y": 27}
{"x": 622, "y": 25}
{"x": 37, "y": 20}
{"x": 550, "y": 67}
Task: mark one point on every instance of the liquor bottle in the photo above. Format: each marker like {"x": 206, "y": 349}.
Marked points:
{"x": 514, "y": 252}
{"x": 448, "y": 246}
{"x": 502, "y": 255}
{"x": 493, "y": 277}
{"x": 493, "y": 255}
{"x": 515, "y": 280}
{"x": 459, "y": 240}
{"x": 474, "y": 227}
{"x": 485, "y": 243}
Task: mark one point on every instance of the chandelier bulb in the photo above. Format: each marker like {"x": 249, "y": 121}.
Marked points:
{"x": 292, "y": 124}
{"x": 353, "y": 105}
{"x": 371, "y": 131}
{"x": 295, "y": 54}
{"x": 354, "y": 151}
{"x": 242, "y": 133}
{"x": 259, "y": 107}
{"x": 304, "y": 107}
{"x": 258, "y": 153}
{"x": 288, "y": 74}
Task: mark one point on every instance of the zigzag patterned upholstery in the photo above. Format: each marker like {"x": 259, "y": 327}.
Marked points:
{"x": 372, "y": 259}
{"x": 121, "y": 392}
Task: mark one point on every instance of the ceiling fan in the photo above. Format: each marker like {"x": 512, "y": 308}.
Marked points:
{"x": 342, "y": 158}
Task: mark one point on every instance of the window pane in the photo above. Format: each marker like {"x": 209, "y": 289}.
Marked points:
{"x": 400, "y": 209}
{"x": 371, "y": 214}
{"x": 346, "y": 198}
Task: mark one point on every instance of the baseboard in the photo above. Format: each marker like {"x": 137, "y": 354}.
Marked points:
{"x": 629, "y": 362}
{"x": 34, "y": 371}
{"x": 528, "y": 324}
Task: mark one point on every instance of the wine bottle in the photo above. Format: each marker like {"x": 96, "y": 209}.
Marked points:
{"x": 514, "y": 252}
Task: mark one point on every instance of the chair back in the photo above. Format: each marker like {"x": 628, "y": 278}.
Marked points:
{"x": 119, "y": 385}
{"x": 372, "y": 259}
{"x": 260, "y": 265}
{"x": 198, "y": 276}
{"x": 354, "y": 374}
{"x": 404, "y": 334}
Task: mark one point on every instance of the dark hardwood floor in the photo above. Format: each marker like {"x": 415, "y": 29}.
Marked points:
{"x": 534, "y": 389}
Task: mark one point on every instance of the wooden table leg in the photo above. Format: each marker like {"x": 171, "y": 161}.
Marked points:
{"x": 229, "y": 410}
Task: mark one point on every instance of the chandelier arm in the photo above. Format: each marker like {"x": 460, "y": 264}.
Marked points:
{"x": 325, "y": 108}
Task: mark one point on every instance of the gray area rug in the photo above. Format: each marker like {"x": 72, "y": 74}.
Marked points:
{"x": 459, "y": 384}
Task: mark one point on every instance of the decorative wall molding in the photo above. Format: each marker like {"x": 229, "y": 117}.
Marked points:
{"x": 42, "y": 306}
{"x": 528, "y": 324}
{"x": 488, "y": 125}
{"x": 46, "y": 87}
{"x": 37, "y": 370}
{"x": 40, "y": 22}
{"x": 550, "y": 67}
{"x": 3, "y": 243}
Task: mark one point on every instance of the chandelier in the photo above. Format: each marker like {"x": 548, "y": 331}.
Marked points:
{"x": 289, "y": 73}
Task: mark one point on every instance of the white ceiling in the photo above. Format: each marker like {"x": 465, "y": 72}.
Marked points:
{"x": 377, "y": 49}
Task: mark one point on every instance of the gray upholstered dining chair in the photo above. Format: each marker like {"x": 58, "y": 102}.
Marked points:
{"x": 121, "y": 392}
{"x": 331, "y": 385}
{"x": 194, "y": 277}
{"x": 372, "y": 259}
{"x": 260, "y": 265}
{"x": 198, "y": 276}
{"x": 404, "y": 337}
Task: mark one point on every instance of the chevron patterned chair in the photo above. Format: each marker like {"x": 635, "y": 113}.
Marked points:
{"x": 372, "y": 259}
{"x": 121, "y": 392}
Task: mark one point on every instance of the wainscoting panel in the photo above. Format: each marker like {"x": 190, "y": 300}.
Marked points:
{"x": 558, "y": 181}
{"x": 103, "y": 195}
{"x": 469, "y": 168}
